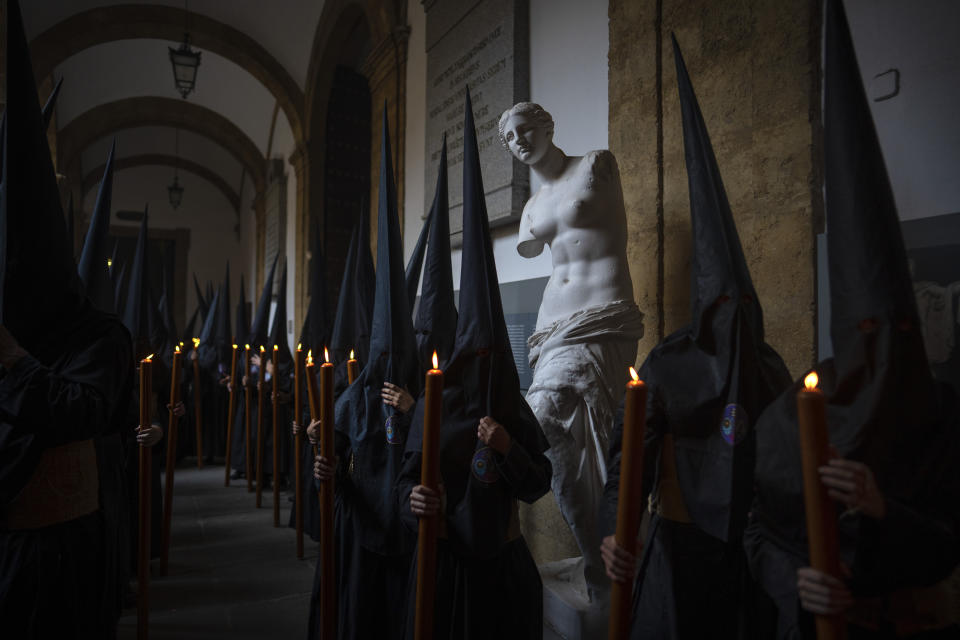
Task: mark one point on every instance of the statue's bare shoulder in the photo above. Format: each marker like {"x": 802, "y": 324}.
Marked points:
{"x": 603, "y": 167}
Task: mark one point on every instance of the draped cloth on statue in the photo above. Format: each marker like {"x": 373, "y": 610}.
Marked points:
{"x": 579, "y": 365}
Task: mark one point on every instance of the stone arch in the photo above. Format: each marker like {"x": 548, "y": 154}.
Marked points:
{"x": 93, "y": 177}
{"x": 155, "y": 111}
{"x": 127, "y": 22}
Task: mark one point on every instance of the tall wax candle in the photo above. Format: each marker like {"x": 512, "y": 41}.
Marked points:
{"x": 819, "y": 507}
{"x": 231, "y": 413}
{"x": 197, "y": 407}
{"x": 628, "y": 499}
{"x": 428, "y": 526}
{"x": 275, "y": 429}
{"x": 298, "y": 449}
{"x": 247, "y": 419}
{"x": 169, "y": 468}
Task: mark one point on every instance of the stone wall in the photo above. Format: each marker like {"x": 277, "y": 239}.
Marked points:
{"x": 754, "y": 65}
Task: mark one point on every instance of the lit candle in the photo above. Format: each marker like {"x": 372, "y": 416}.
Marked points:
{"x": 628, "y": 500}
{"x": 197, "y": 410}
{"x": 171, "y": 459}
{"x": 328, "y": 597}
{"x": 429, "y": 477}
{"x": 247, "y": 418}
{"x": 143, "y": 515}
{"x": 820, "y": 509}
{"x": 231, "y": 412}
{"x": 353, "y": 368}
{"x": 260, "y": 391}
{"x": 297, "y": 449}
{"x": 276, "y": 437}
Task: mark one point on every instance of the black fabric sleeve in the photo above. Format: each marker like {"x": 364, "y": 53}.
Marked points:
{"x": 528, "y": 476}
{"x": 75, "y": 402}
{"x": 408, "y": 478}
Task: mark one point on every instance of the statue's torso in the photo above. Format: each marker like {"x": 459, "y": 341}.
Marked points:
{"x": 581, "y": 217}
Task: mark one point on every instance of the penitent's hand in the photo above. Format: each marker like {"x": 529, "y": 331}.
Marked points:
{"x": 621, "y": 564}
{"x": 425, "y": 501}
{"x": 853, "y": 484}
{"x": 149, "y": 436}
{"x": 397, "y": 397}
{"x": 822, "y": 594}
{"x": 10, "y": 349}
{"x": 313, "y": 432}
{"x": 298, "y": 429}
{"x": 323, "y": 470}
{"x": 178, "y": 410}
{"x": 494, "y": 435}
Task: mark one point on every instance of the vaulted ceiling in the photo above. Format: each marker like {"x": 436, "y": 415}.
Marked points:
{"x": 118, "y": 83}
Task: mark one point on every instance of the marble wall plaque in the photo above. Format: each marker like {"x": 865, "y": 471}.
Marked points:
{"x": 483, "y": 44}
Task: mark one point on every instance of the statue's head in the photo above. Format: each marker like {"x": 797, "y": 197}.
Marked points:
{"x": 526, "y": 130}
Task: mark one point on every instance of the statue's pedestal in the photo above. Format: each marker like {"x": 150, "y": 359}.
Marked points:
{"x": 568, "y": 614}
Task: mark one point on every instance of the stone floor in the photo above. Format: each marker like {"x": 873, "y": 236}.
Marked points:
{"x": 231, "y": 574}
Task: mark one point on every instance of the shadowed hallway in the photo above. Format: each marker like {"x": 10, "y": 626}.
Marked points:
{"x": 231, "y": 574}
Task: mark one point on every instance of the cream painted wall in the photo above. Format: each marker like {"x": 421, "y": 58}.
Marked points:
{"x": 568, "y": 68}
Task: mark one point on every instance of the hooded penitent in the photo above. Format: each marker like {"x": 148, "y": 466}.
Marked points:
{"x": 207, "y": 352}
{"x": 883, "y": 407}
{"x": 710, "y": 378}
{"x": 315, "y": 333}
{"x": 375, "y": 431}
{"x": 138, "y": 316}
{"x": 351, "y": 325}
{"x": 223, "y": 335}
{"x": 165, "y": 311}
{"x": 58, "y": 401}
{"x": 71, "y": 222}
{"x": 278, "y": 330}
{"x": 120, "y": 289}
{"x": 93, "y": 268}
{"x": 436, "y": 321}
{"x": 415, "y": 264}
{"x": 480, "y": 380}
{"x": 258, "y": 330}
{"x": 242, "y": 326}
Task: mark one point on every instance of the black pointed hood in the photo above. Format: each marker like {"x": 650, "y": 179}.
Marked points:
{"x": 376, "y": 433}
{"x": 258, "y": 331}
{"x": 93, "y": 259}
{"x": 415, "y": 264}
{"x": 883, "y": 408}
{"x": 202, "y": 301}
{"x": 709, "y": 379}
{"x": 316, "y": 330}
{"x": 166, "y": 307}
{"x": 41, "y": 293}
{"x": 208, "y": 353}
{"x": 479, "y": 380}
{"x": 120, "y": 289}
{"x": 223, "y": 335}
{"x": 351, "y": 325}
{"x": 436, "y": 322}
{"x": 242, "y": 326}
{"x": 138, "y": 315}
{"x": 278, "y": 330}
{"x": 114, "y": 269}
{"x": 51, "y": 104}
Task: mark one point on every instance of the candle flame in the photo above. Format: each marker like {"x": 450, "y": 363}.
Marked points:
{"x": 299, "y": 346}
{"x": 310, "y": 356}
{"x": 275, "y": 347}
{"x": 810, "y": 382}
{"x": 436, "y": 364}
{"x": 109, "y": 262}
{"x": 634, "y": 375}
{"x": 234, "y": 346}
{"x": 177, "y": 348}
{"x": 149, "y": 357}
{"x": 351, "y": 354}
{"x": 326, "y": 355}
{"x": 181, "y": 343}
{"x": 247, "y": 347}
{"x": 261, "y": 348}
{"x": 196, "y": 342}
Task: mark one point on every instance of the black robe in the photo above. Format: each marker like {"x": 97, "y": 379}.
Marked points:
{"x": 488, "y": 585}
{"x": 61, "y": 580}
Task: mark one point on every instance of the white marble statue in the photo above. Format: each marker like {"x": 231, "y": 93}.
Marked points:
{"x": 588, "y": 325}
